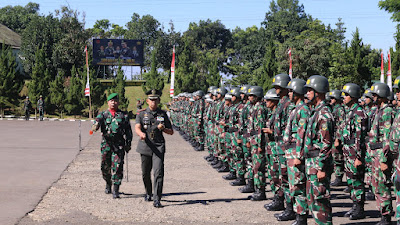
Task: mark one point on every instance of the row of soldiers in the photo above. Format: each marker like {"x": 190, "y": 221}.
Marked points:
{"x": 297, "y": 136}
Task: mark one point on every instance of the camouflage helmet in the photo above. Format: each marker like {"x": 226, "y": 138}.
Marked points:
{"x": 199, "y": 93}
{"x": 235, "y": 91}
{"x": 222, "y": 91}
{"x": 297, "y": 85}
{"x": 281, "y": 80}
{"x": 244, "y": 88}
{"x": 255, "y": 90}
{"x": 318, "y": 83}
{"x": 209, "y": 90}
{"x": 352, "y": 89}
{"x": 271, "y": 95}
{"x": 336, "y": 94}
{"x": 367, "y": 93}
{"x": 396, "y": 82}
{"x": 380, "y": 89}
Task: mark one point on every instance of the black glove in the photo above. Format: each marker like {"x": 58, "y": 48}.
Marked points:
{"x": 127, "y": 148}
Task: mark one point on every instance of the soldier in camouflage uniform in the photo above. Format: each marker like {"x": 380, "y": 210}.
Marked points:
{"x": 225, "y": 152}
{"x": 317, "y": 150}
{"x": 294, "y": 137}
{"x": 199, "y": 111}
{"x": 353, "y": 139}
{"x": 256, "y": 141}
{"x": 117, "y": 137}
{"x": 232, "y": 133}
{"x": 218, "y": 141}
{"x": 241, "y": 149}
{"x": 337, "y": 150}
{"x": 370, "y": 109}
{"x": 281, "y": 116}
{"x": 382, "y": 156}
{"x": 394, "y": 146}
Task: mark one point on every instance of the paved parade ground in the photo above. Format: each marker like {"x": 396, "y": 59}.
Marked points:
{"x": 36, "y": 190}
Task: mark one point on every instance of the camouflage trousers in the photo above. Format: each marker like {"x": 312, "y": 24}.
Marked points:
{"x": 199, "y": 132}
{"x": 368, "y": 167}
{"x": 238, "y": 155}
{"x": 381, "y": 186}
{"x": 210, "y": 137}
{"x": 227, "y": 155}
{"x": 112, "y": 163}
{"x": 258, "y": 167}
{"x": 318, "y": 194}
{"x": 275, "y": 164}
{"x": 297, "y": 187}
{"x": 283, "y": 173}
{"x": 338, "y": 161}
{"x": 355, "y": 180}
{"x": 396, "y": 182}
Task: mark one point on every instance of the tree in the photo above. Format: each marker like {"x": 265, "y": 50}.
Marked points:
{"x": 118, "y": 86}
{"x": 57, "y": 93}
{"x": 74, "y": 95}
{"x": 269, "y": 67}
{"x": 17, "y": 18}
{"x": 153, "y": 78}
{"x": 10, "y": 81}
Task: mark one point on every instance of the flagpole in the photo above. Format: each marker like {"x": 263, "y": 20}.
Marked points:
{"x": 382, "y": 69}
{"x": 87, "y": 89}
{"x": 389, "y": 73}
{"x": 171, "y": 90}
{"x": 290, "y": 63}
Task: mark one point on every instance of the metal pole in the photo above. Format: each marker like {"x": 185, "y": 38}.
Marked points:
{"x": 80, "y": 137}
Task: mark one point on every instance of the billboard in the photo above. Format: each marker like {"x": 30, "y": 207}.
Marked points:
{"x": 113, "y": 52}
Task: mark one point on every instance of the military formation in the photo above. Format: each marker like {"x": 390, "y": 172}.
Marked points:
{"x": 297, "y": 136}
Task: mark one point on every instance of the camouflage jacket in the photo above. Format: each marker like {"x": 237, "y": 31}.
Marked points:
{"x": 282, "y": 112}
{"x": 318, "y": 139}
{"x": 232, "y": 119}
{"x": 295, "y": 131}
{"x": 269, "y": 123}
{"x": 354, "y": 132}
{"x": 395, "y": 134}
{"x": 380, "y": 132}
{"x": 338, "y": 113}
{"x": 244, "y": 110}
{"x": 116, "y": 129}
{"x": 257, "y": 121}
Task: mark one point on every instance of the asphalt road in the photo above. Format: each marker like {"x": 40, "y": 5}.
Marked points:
{"x": 33, "y": 156}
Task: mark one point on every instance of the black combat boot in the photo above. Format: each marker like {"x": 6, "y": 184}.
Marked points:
{"x": 208, "y": 157}
{"x": 249, "y": 188}
{"x": 300, "y": 220}
{"x": 230, "y": 176}
{"x": 385, "y": 220}
{"x": 258, "y": 195}
{"x": 218, "y": 165}
{"x": 276, "y": 204}
{"x": 200, "y": 148}
{"x": 351, "y": 210}
{"x": 116, "y": 191}
{"x": 224, "y": 168}
{"x": 108, "y": 187}
{"x": 288, "y": 214}
{"x": 239, "y": 181}
{"x": 215, "y": 161}
{"x": 358, "y": 212}
{"x": 337, "y": 182}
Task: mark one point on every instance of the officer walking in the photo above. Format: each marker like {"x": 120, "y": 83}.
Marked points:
{"x": 27, "y": 108}
{"x": 117, "y": 137}
{"x": 40, "y": 107}
{"x": 151, "y": 123}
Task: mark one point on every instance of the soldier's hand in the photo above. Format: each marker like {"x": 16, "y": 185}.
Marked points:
{"x": 267, "y": 130}
{"x": 222, "y": 123}
{"x": 357, "y": 163}
{"x": 161, "y": 126}
{"x": 384, "y": 166}
{"x": 259, "y": 150}
{"x": 142, "y": 136}
{"x": 239, "y": 141}
{"x": 127, "y": 148}
{"x": 336, "y": 142}
{"x": 248, "y": 145}
{"x": 297, "y": 162}
{"x": 321, "y": 175}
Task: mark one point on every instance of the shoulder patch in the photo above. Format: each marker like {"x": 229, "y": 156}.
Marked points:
{"x": 387, "y": 124}
{"x": 324, "y": 127}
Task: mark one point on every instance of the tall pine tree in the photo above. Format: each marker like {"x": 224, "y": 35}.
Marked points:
{"x": 118, "y": 86}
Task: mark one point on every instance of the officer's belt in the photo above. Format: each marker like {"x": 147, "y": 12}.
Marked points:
{"x": 350, "y": 141}
{"x": 376, "y": 145}
{"x": 312, "y": 153}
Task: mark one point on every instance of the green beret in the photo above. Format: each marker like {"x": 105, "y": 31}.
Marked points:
{"x": 111, "y": 96}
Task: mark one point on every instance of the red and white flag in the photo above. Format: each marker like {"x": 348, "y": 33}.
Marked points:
{"x": 382, "y": 69}
{"x": 290, "y": 63}
{"x": 389, "y": 73}
{"x": 87, "y": 88}
{"x": 171, "y": 90}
